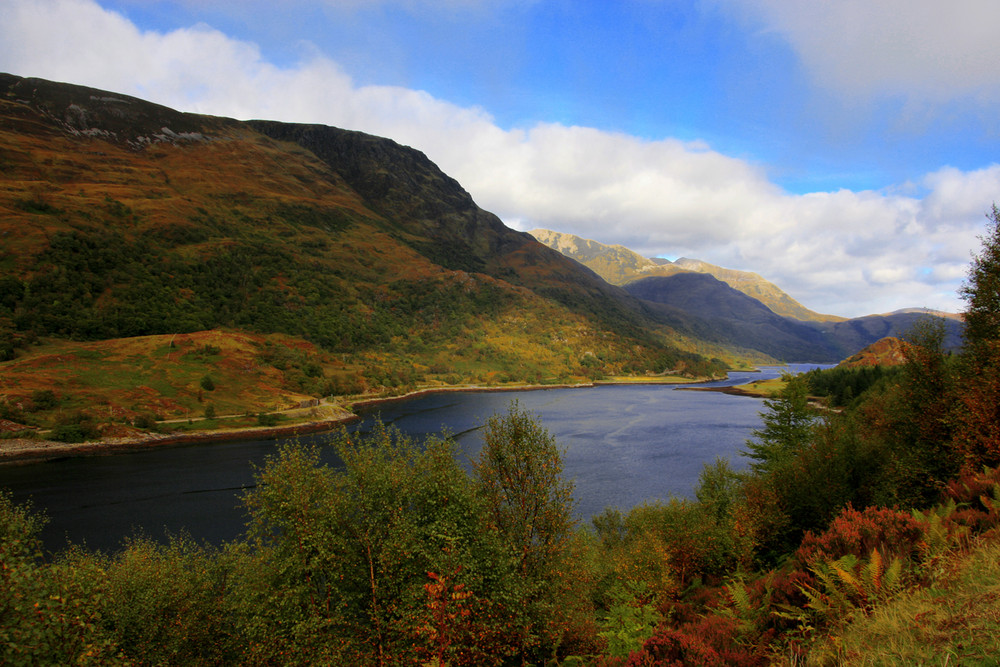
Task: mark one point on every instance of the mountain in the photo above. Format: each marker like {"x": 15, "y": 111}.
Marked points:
{"x": 724, "y": 315}
{"x": 620, "y": 266}
{"x": 712, "y": 310}
{"x": 123, "y": 218}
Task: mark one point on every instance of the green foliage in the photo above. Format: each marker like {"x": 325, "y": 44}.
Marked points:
{"x": 268, "y": 419}
{"x": 77, "y": 426}
{"x": 162, "y": 604}
{"x": 844, "y": 386}
{"x": 520, "y": 471}
{"x": 146, "y": 421}
{"x": 977, "y": 413}
{"x": 849, "y": 583}
{"x": 354, "y": 549}
{"x": 982, "y": 290}
{"x": 788, "y": 428}
{"x": 718, "y": 488}
{"x": 530, "y": 506}
{"x": 207, "y": 383}
{"x": 44, "y": 399}
{"x": 629, "y": 621}
{"x": 48, "y": 612}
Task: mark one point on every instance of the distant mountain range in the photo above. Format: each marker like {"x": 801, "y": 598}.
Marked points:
{"x": 620, "y": 266}
{"x": 739, "y": 308}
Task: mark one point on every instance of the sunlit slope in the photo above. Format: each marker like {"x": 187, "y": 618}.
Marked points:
{"x": 122, "y": 218}
{"x": 619, "y": 266}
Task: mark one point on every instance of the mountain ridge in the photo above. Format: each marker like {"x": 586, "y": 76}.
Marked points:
{"x": 620, "y": 265}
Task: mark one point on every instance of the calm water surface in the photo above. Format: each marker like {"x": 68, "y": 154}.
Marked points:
{"x": 623, "y": 445}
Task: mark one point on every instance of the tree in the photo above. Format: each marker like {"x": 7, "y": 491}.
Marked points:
{"x": 520, "y": 475}
{"x": 977, "y": 433}
{"x": 982, "y": 290}
{"x": 788, "y": 427}
{"x": 922, "y": 455}
{"x": 372, "y": 552}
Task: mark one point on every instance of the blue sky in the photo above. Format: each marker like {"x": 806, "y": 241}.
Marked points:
{"x": 846, "y": 150}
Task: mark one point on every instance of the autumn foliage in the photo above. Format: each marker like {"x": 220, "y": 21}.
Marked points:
{"x": 400, "y": 555}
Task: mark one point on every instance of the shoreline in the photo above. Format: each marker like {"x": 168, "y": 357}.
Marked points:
{"x": 26, "y": 451}
{"x": 734, "y": 390}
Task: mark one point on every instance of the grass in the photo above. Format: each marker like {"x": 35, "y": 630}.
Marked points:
{"x": 954, "y": 622}
{"x": 146, "y": 375}
{"x": 763, "y": 388}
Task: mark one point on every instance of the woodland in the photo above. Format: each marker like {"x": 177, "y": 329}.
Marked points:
{"x": 887, "y": 498}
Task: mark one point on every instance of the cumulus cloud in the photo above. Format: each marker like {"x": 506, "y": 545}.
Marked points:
{"x": 844, "y": 252}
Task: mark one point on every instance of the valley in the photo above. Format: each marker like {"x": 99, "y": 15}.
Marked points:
{"x": 176, "y": 278}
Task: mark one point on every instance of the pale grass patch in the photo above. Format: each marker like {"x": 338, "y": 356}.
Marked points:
{"x": 956, "y": 621}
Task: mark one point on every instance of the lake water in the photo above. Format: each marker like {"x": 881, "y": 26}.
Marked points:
{"x": 622, "y": 445}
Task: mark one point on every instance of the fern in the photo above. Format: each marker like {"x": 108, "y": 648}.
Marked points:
{"x": 848, "y": 584}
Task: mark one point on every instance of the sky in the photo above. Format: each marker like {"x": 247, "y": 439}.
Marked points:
{"x": 848, "y": 151}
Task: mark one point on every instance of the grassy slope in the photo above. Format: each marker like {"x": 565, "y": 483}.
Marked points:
{"x": 956, "y": 621}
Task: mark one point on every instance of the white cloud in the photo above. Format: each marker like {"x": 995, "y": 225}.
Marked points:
{"x": 922, "y": 49}
{"x": 844, "y": 252}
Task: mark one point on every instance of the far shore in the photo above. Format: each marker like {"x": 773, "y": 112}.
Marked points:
{"x": 737, "y": 390}
{"x": 23, "y": 451}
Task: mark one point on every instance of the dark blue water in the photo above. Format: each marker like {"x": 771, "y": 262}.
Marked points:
{"x": 622, "y": 445}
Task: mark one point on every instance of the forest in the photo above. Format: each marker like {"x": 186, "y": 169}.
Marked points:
{"x": 403, "y": 556}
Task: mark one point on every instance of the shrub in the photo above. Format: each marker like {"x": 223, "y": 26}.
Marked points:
{"x": 44, "y": 399}
{"x": 267, "y": 419}
{"x": 858, "y": 533}
{"x": 75, "y": 427}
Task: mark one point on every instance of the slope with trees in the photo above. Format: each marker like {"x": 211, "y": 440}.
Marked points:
{"x": 125, "y": 219}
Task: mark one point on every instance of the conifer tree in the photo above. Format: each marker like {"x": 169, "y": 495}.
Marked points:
{"x": 788, "y": 427}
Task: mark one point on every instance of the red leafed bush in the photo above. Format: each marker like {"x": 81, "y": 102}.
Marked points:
{"x": 710, "y": 642}
{"x": 894, "y": 533}
{"x": 974, "y": 495}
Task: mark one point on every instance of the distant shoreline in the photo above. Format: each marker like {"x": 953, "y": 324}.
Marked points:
{"x": 737, "y": 390}
{"x": 26, "y": 451}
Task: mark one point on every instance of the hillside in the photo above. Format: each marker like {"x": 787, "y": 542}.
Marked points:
{"x": 715, "y": 311}
{"x": 889, "y": 351}
{"x": 122, "y": 218}
{"x": 712, "y": 310}
{"x": 619, "y": 266}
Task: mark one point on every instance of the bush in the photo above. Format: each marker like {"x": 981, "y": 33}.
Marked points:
{"x": 894, "y": 533}
{"x": 76, "y": 427}
{"x": 146, "y": 421}
{"x": 268, "y": 419}
{"x": 44, "y": 399}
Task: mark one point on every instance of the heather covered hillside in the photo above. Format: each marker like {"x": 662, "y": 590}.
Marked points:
{"x": 122, "y": 218}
